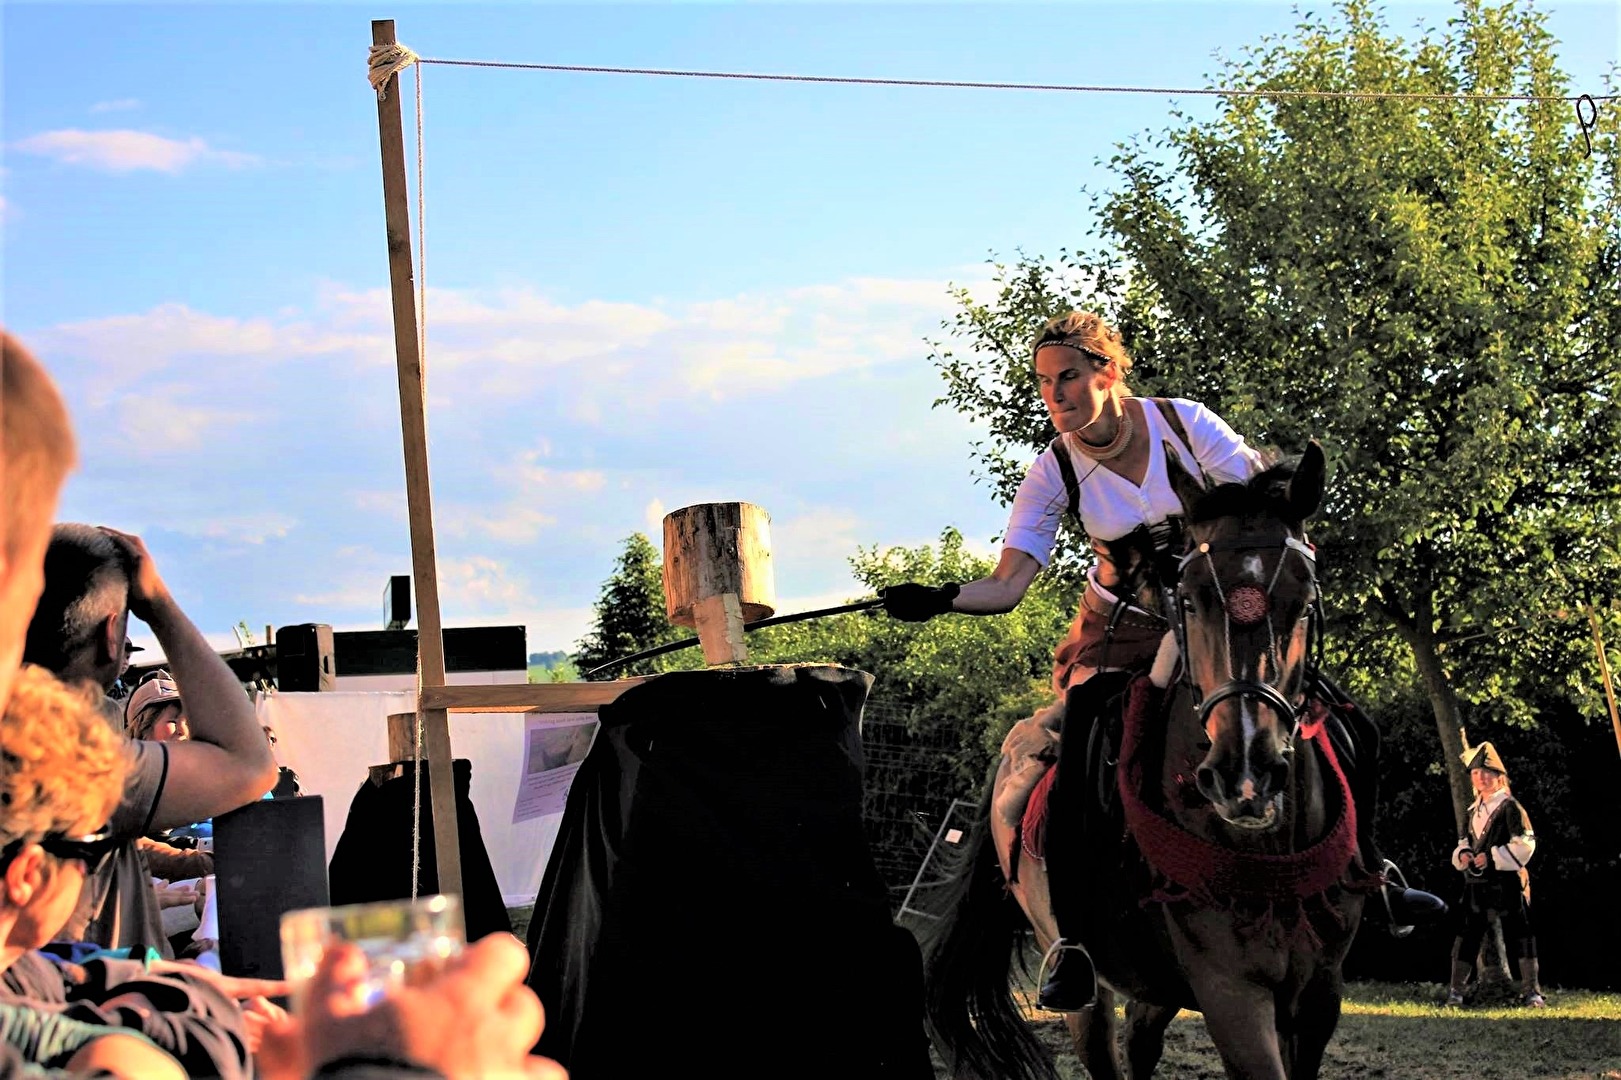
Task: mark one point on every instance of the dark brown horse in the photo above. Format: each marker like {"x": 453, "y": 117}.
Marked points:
{"x": 1229, "y": 895}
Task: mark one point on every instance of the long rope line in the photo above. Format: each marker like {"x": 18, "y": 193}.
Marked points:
{"x": 964, "y": 84}
{"x": 387, "y": 60}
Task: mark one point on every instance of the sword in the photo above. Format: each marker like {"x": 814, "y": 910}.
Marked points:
{"x": 758, "y": 624}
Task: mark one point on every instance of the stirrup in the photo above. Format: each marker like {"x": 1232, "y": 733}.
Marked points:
{"x": 1391, "y": 871}
{"x": 1052, "y": 959}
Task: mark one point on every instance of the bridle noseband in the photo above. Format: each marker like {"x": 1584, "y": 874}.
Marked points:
{"x": 1246, "y": 614}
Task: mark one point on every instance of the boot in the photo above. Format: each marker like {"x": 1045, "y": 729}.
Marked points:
{"x": 1408, "y": 907}
{"x": 1460, "y": 979}
{"x": 1530, "y": 991}
{"x": 1069, "y": 982}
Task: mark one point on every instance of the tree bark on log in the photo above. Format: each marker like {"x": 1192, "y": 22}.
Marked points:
{"x": 718, "y": 574}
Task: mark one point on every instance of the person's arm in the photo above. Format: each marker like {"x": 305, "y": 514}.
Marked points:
{"x": 1026, "y": 546}
{"x": 172, "y": 863}
{"x": 1461, "y": 854}
{"x": 1522, "y": 843}
{"x": 227, "y": 762}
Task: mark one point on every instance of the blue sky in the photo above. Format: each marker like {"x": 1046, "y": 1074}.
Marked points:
{"x": 643, "y": 292}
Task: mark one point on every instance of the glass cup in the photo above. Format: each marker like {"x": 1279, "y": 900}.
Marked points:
{"x": 401, "y": 939}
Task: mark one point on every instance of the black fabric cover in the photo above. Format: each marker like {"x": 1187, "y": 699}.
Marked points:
{"x": 373, "y": 858}
{"x": 711, "y": 905}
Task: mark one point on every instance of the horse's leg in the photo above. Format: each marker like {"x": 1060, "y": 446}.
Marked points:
{"x": 1317, "y": 1014}
{"x": 1093, "y": 1033}
{"x": 1145, "y": 1037}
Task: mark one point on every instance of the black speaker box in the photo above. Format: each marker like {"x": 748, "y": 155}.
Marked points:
{"x": 304, "y": 658}
{"x": 269, "y": 859}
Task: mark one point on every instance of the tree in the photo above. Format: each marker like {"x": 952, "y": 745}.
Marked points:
{"x": 1431, "y": 288}
{"x": 629, "y": 613}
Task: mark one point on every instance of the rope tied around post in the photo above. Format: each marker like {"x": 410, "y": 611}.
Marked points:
{"x": 383, "y": 62}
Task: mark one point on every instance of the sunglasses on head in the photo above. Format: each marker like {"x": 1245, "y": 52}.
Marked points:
{"x": 93, "y": 850}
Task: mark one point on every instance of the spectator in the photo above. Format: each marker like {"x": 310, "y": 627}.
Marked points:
{"x": 94, "y": 580}
{"x": 61, "y": 774}
{"x": 36, "y": 452}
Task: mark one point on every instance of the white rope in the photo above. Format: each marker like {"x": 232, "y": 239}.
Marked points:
{"x": 422, "y": 367}
{"x": 383, "y": 62}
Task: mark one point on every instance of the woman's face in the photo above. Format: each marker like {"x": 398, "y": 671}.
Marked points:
{"x": 1485, "y": 780}
{"x": 1074, "y": 387}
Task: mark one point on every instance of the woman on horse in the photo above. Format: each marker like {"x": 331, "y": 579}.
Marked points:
{"x": 1492, "y": 855}
{"x": 1108, "y": 467}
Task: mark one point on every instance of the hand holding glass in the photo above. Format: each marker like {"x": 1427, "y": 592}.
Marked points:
{"x": 403, "y": 940}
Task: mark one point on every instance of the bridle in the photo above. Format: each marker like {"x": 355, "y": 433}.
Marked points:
{"x": 1246, "y": 604}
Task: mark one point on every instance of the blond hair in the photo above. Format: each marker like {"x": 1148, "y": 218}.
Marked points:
{"x": 62, "y": 767}
{"x": 36, "y": 445}
{"x": 1088, "y": 332}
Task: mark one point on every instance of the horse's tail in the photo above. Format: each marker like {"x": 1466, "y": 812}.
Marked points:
{"x": 968, "y": 953}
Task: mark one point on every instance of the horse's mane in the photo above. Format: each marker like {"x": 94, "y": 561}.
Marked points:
{"x": 1265, "y": 494}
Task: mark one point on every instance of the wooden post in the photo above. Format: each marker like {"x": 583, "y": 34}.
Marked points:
{"x": 418, "y": 498}
{"x": 717, "y": 574}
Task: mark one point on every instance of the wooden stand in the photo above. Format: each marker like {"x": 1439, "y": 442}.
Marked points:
{"x": 717, "y": 574}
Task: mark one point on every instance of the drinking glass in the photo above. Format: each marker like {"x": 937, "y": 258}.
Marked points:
{"x": 398, "y": 937}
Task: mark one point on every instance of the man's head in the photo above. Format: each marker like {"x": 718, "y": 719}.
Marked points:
{"x": 79, "y": 626}
{"x": 61, "y": 775}
{"x": 36, "y": 452}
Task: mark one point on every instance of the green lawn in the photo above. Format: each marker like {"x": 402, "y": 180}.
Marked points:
{"x": 1399, "y": 1032}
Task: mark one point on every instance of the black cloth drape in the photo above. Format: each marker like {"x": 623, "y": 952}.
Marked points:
{"x": 372, "y": 860}
{"x": 711, "y": 905}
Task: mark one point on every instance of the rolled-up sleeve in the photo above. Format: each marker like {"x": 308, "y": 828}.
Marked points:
{"x": 1038, "y": 507}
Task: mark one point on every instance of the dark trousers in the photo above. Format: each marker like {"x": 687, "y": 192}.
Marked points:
{"x": 1513, "y": 912}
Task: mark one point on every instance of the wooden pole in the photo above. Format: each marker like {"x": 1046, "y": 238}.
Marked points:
{"x": 418, "y": 498}
{"x": 1604, "y": 673}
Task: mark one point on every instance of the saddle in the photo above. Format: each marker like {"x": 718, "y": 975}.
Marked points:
{"x": 1081, "y": 785}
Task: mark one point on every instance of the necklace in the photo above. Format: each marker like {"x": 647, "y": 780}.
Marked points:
{"x": 1111, "y": 449}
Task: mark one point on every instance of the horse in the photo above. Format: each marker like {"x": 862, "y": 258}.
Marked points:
{"x": 1236, "y": 893}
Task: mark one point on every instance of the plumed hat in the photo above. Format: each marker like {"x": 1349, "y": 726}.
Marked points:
{"x": 1483, "y": 756}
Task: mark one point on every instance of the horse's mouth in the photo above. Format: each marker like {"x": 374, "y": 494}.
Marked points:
{"x": 1244, "y": 815}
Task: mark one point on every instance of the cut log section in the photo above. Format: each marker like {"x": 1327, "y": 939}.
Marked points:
{"x": 717, "y": 574}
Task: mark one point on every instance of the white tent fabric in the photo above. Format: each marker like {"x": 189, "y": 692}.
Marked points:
{"x": 331, "y": 739}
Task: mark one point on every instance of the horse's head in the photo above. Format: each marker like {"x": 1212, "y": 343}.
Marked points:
{"x": 1245, "y": 595}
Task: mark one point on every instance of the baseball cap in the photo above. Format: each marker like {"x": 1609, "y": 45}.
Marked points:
{"x": 157, "y": 688}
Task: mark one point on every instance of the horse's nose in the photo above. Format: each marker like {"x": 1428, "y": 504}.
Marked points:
{"x": 1210, "y": 785}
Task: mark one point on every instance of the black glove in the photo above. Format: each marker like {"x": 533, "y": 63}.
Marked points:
{"x": 911, "y": 602}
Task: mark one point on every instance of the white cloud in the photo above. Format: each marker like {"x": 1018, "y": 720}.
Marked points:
{"x": 8, "y": 212}
{"x": 162, "y": 424}
{"x": 123, "y": 151}
{"x": 254, "y": 528}
{"x": 118, "y": 105}
{"x": 817, "y": 534}
{"x": 654, "y": 516}
{"x": 480, "y": 584}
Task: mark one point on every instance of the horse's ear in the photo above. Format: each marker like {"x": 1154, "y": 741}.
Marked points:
{"x": 1186, "y": 487}
{"x": 1305, "y": 493}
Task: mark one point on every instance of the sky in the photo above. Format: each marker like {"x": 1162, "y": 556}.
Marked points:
{"x": 642, "y": 292}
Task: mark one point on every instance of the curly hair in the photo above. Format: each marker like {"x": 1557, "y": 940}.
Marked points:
{"x": 61, "y": 766}
{"x": 1088, "y": 332}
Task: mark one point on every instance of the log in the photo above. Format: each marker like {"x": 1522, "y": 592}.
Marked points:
{"x": 717, "y": 574}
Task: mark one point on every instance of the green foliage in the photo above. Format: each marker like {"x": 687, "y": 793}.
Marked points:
{"x": 629, "y": 613}
{"x": 1429, "y": 288}
{"x": 979, "y": 674}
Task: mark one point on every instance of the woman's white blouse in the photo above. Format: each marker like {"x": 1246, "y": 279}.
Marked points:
{"x": 1112, "y": 506}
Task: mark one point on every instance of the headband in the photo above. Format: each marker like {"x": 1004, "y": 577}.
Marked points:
{"x": 1078, "y": 347}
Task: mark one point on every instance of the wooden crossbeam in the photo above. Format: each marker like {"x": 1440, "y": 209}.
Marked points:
{"x": 526, "y": 697}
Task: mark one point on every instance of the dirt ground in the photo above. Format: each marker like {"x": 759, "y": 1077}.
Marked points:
{"x": 1394, "y": 1033}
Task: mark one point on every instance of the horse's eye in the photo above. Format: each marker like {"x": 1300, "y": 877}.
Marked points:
{"x": 1187, "y": 602}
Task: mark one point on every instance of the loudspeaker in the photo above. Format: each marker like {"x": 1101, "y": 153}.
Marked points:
{"x": 269, "y": 859}
{"x": 397, "y": 603}
{"x": 304, "y": 658}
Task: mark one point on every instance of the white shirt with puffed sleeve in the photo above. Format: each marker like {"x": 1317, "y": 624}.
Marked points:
{"x": 1112, "y": 506}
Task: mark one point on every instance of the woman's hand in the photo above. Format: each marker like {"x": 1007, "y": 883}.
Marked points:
{"x": 912, "y": 602}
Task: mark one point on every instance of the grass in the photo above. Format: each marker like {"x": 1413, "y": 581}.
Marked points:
{"x": 1401, "y": 1032}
